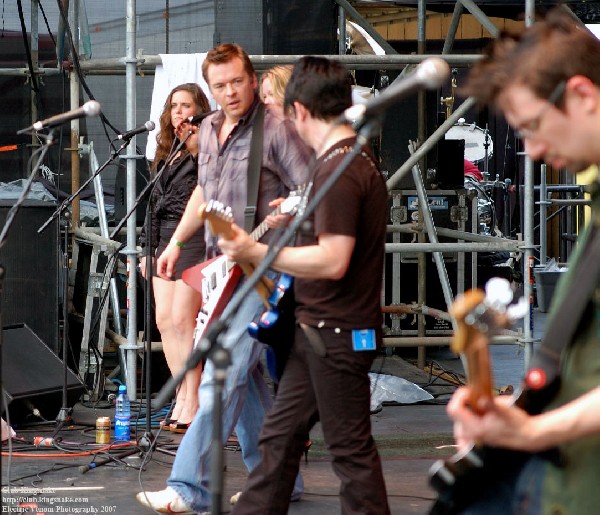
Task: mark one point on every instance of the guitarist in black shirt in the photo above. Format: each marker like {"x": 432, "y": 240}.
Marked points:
{"x": 546, "y": 81}
{"x": 338, "y": 266}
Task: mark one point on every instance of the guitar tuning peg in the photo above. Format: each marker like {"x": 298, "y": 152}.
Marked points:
{"x": 518, "y": 310}
{"x": 498, "y": 292}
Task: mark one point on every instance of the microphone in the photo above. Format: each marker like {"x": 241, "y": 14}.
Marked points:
{"x": 147, "y": 127}
{"x": 91, "y": 108}
{"x": 197, "y": 119}
{"x": 429, "y": 74}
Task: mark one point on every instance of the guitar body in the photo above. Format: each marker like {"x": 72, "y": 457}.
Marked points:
{"x": 195, "y": 275}
{"x": 276, "y": 326}
{"x": 458, "y": 477}
{"x": 216, "y": 280}
{"x": 463, "y": 478}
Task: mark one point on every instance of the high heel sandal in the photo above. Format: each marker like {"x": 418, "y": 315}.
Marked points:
{"x": 307, "y": 446}
{"x": 166, "y": 423}
{"x": 178, "y": 427}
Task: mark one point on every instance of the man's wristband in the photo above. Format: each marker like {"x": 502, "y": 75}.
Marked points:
{"x": 180, "y": 244}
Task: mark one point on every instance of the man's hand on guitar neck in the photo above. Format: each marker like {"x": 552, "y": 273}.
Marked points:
{"x": 241, "y": 248}
{"x": 279, "y": 220}
{"x": 502, "y": 424}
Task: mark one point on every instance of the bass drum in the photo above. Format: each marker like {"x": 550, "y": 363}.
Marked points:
{"x": 474, "y": 140}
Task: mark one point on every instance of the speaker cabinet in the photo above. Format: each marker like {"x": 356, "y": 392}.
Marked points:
{"x": 33, "y": 376}
{"x": 451, "y": 163}
{"x": 30, "y": 289}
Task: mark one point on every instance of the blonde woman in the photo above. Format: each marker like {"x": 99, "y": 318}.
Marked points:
{"x": 272, "y": 87}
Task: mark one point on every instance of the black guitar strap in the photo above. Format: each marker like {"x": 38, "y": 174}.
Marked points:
{"x": 561, "y": 329}
{"x": 254, "y": 166}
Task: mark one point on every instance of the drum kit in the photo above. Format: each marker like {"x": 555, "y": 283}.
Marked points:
{"x": 478, "y": 143}
{"x": 479, "y": 148}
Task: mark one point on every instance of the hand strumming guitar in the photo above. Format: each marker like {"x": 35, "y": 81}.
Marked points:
{"x": 500, "y": 424}
{"x": 241, "y": 248}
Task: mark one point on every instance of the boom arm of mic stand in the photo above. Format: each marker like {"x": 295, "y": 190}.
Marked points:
{"x": 69, "y": 199}
{"x": 147, "y": 188}
{"x": 209, "y": 340}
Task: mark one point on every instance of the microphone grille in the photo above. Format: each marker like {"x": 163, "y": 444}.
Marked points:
{"x": 91, "y": 108}
{"x": 149, "y": 125}
{"x": 433, "y": 71}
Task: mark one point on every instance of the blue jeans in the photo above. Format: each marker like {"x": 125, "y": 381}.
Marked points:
{"x": 246, "y": 399}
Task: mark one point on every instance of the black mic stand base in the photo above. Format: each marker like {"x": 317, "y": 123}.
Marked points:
{"x": 64, "y": 417}
{"x": 221, "y": 360}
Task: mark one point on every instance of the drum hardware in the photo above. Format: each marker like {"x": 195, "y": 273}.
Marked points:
{"x": 486, "y": 210}
{"x": 448, "y": 102}
{"x": 487, "y": 142}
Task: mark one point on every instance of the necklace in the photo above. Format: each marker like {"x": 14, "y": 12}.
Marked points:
{"x": 344, "y": 150}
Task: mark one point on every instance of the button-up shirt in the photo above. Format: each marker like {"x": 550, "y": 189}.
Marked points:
{"x": 223, "y": 169}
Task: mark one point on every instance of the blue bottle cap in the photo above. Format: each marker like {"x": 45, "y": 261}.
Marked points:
{"x": 122, "y": 388}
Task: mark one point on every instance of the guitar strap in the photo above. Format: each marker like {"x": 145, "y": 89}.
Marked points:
{"x": 254, "y": 166}
{"x": 545, "y": 363}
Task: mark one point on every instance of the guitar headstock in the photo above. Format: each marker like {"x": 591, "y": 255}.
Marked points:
{"x": 485, "y": 312}
{"x": 218, "y": 217}
{"x": 478, "y": 316}
{"x": 293, "y": 200}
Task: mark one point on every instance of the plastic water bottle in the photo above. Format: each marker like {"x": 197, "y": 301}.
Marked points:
{"x": 122, "y": 415}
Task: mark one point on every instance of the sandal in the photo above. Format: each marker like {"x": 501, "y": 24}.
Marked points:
{"x": 166, "y": 423}
{"x": 179, "y": 427}
{"x": 307, "y": 446}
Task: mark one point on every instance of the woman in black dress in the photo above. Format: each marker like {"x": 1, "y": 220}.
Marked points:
{"x": 177, "y": 304}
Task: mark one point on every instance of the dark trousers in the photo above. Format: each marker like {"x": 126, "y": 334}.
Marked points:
{"x": 334, "y": 389}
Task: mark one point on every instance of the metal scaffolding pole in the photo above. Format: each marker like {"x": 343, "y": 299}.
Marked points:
{"x": 528, "y": 247}
{"x": 131, "y": 250}
{"x": 35, "y": 54}
{"x": 147, "y": 63}
{"x": 449, "y": 41}
{"x": 480, "y": 17}
{"x": 74, "y": 93}
{"x": 341, "y": 31}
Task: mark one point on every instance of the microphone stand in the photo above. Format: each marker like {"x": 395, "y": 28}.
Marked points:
{"x": 146, "y": 441}
{"x": 64, "y": 415}
{"x": 209, "y": 346}
{"x": 69, "y": 199}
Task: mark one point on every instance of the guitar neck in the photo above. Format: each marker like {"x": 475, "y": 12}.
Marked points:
{"x": 471, "y": 340}
{"x": 262, "y": 228}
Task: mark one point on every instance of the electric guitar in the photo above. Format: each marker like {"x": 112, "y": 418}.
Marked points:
{"x": 217, "y": 278}
{"x": 276, "y": 326}
{"x": 478, "y": 315}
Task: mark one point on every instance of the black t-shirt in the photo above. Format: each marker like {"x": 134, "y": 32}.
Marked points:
{"x": 355, "y": 206}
